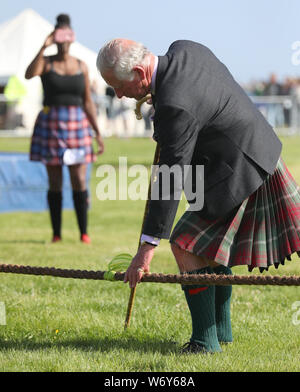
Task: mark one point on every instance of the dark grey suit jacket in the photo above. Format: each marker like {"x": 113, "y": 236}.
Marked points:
{"x": 203, "y": 117}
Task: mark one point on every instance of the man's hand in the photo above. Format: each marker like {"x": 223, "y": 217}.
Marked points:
{"x": 139, "y": 265}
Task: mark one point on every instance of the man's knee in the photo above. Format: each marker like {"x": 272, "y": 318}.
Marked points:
{"x": 176, "y": 250}
{"x": 180, "y": 256}
{"x": 187, "y": 261}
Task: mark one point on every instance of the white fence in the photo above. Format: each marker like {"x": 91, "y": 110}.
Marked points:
{"x": 115, "y": 118}
{"x": 8, "y": 117}
{"x": 282, "y": 112}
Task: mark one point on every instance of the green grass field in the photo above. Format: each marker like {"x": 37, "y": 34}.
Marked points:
{"x": 66, "y": 325}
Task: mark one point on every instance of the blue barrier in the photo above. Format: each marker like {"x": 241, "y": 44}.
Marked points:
{"x": 24, "y": 184}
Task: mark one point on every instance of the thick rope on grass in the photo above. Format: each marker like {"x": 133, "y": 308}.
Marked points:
{"x": 208, "y": 279}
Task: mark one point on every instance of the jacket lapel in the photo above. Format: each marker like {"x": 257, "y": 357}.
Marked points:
{"x": 163, "y": 62}
{"x": 161, "y": 69}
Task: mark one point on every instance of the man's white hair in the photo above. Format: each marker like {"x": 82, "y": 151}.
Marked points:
{"x": 122, "y": 58}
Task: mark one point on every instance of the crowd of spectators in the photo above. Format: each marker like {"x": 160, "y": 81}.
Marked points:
{"x": 273, "y": 87}
{"x": 278, "y": 100}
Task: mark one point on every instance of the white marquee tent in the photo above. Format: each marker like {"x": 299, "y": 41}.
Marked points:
{"x": 20, "y": 40}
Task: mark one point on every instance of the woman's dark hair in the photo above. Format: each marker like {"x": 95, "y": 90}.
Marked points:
{"x": 63, "y": 20}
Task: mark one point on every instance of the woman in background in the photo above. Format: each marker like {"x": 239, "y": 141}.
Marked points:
{"x": 62, "y": 132}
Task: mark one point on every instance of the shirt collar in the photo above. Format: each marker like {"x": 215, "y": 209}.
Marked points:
{"x": 153, "y": 79}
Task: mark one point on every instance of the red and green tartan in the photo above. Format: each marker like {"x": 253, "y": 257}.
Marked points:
{"x": 263, "y": 231}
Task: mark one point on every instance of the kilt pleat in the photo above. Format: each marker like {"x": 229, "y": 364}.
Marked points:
{"x": 58, "y": 128}
{"x": 263, "y": 231}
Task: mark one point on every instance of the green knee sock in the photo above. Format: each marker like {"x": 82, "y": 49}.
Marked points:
{"x": 222, "y": 304}
{"x": 201, "y": 302}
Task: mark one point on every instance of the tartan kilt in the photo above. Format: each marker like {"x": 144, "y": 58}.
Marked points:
{"x": 263, "y": 231}
{"x": 58, "y": 128}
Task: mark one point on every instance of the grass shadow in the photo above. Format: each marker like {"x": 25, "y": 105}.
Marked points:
{"x": 23, "y": 242}
{"x": 101, "y": 344}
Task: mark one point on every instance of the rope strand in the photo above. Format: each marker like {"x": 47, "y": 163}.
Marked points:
{"x": 208, "y": 279}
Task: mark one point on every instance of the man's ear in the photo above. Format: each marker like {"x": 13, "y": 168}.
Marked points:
{"x": 140, "y": 71}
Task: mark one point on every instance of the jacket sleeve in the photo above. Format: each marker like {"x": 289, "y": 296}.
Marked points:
{"x": 176, "y": 131}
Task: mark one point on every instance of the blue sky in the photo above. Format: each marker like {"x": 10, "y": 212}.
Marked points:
{"x": 252, "y": 37}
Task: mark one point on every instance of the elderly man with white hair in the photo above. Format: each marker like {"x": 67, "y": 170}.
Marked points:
{"x": 203, "y": 117}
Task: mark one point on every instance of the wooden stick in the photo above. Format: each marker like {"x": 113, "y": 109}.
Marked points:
{"x": 155, "y": 162}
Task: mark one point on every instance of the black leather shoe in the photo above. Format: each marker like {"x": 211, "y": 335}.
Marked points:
{"x": 193, "y": 348}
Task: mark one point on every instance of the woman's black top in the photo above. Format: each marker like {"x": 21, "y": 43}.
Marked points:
{"x": 63, "y": 90}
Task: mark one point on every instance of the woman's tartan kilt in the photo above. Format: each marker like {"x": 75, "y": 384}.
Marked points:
{"x": 58, "y": 128}
{"x": 263, "y": 231}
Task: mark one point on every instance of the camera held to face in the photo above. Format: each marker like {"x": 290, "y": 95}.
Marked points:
{"x": 64, "y": 35}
